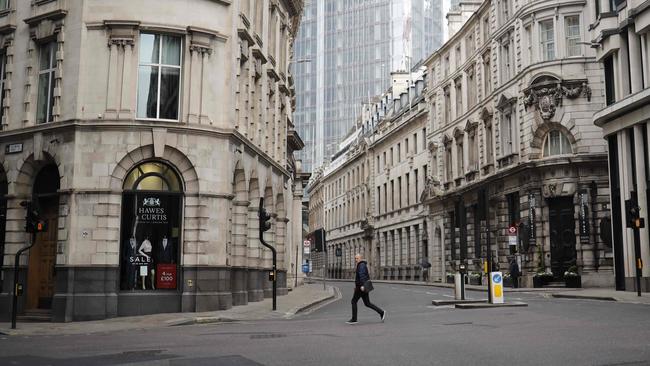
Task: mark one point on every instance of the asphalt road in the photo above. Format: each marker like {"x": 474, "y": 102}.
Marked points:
{"x": 548, "y": 332}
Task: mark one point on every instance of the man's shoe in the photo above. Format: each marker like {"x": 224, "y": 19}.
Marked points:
{"x": 351, "y": 321}
{"x": 383, "y": 316}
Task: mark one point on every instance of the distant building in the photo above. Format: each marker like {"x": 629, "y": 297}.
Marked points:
{"x": 511, "y": 98}
{"x": 344, "y": 54}
{"x": 506, "y": 106}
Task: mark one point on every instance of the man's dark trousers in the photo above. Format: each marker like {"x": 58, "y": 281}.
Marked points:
{"x": 358, "y": 294}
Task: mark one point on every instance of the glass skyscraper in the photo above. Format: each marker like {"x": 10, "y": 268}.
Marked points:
{"x": 343, "y": 56}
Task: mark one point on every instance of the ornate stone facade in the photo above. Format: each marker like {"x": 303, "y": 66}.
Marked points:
{"x": 104, "y": 102}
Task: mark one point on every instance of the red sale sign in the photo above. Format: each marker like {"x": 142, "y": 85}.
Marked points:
{"x": 166, "y": 276}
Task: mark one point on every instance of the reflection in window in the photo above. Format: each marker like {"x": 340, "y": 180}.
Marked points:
{"x": 572, "y": 31}
{"x": 159, "y": 75}
{"x": 556, "y": 144}
{"x": 46, "y": 74}
{"x": 547, "y": 37}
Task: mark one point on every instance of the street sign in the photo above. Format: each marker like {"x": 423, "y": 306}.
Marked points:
{"x": 307, "y": 250}
{"x": 512, "y": 240}
{"x": 496, "y": 287}
{"x": 512, "y": 230}
{"x": 306, "y": 243}
{"x": 305, "y": 268}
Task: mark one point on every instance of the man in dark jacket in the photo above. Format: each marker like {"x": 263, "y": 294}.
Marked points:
{"x": 514, "y": 272}
{"x": 361, "y": 276}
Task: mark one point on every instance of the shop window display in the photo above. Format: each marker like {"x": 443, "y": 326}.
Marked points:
{"x": 151, "y": 206}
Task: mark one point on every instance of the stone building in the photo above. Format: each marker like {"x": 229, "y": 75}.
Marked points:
{"x": 511, "y": 98}
{"x": 146, "y": 139}
{"x": 369, "y": 194}
{"x": 345, "y": 196}
{"x": 621, "y": 40}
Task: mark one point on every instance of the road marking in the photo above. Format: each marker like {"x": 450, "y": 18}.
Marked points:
{"x": 447, "y": 295}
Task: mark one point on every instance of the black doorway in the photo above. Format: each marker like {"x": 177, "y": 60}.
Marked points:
{"x": 563, "y": 236}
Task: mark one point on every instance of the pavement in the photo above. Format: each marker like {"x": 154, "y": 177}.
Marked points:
{"x": 604, "y": 294}
{"x": 302, "y": 299}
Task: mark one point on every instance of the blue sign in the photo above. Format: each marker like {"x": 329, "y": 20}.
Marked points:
{"x": 496, "y": 278}
{"x": 305, "y": 268}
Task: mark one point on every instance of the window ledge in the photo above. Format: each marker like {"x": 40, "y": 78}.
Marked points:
{"x": 507, "y": 160}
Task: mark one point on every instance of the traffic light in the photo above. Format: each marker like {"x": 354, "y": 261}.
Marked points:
{"x": 33, "y": 222}
{"x": 265, "y": 220}
{"x": 633, "y": 212}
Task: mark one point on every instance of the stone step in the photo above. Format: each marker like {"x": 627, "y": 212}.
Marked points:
{"x": 36, "y": 315}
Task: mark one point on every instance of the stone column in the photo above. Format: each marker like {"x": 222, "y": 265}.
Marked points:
{"x": 636, "y": 68}
{"x": 640, "y": 160}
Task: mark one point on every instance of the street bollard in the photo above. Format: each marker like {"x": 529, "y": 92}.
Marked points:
{"x": 459, "y": 288}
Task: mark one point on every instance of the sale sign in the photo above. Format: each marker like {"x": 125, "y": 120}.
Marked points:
{"x": 166, "y": 276}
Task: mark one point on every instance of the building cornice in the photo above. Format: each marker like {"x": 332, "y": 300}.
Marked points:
{"x": 137, "y": 125}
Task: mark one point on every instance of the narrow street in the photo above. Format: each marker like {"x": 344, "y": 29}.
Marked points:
{"x": 548, "y": 332}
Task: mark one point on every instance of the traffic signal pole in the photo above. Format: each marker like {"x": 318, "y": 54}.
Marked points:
{"x": 264, "y": 218}
{"x": 14, "y": 303}
{"x": 33, "y": 224}
{"x": 636, "y": 222}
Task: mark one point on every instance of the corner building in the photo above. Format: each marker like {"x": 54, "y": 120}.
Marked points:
{"x": 621, "y": 39}
{"x": 146, "y": 135}
{"x": 511, "y": 98}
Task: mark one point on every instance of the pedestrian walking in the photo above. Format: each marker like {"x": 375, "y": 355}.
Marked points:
{"x": 361, "y": 282}
{"x": 514, "y": 272}
{"x": 425, "y": 269}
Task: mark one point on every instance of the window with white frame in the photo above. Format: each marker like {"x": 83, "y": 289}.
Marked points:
{"x": 46, "y": 79}
{"x": 507, "y": 132}
{"x": 505, "y": 10}
{"x": 487, "y": 75}
{"x": 448, "y": 163}
{"x": 506, "y": 64}
{"x": 447, "y": 95}
{"x": 489, "y": 149}
{"x": 572, "y": 34}
{"x": 547, "y": 39}
{"x": 159, "y": 76}
{"x": 460, "y": 156}
{"x": 556, "y": 143}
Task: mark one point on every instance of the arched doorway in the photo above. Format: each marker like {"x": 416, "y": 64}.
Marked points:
{"x": 151, "y": 226}
{"x": 42, "y": 256}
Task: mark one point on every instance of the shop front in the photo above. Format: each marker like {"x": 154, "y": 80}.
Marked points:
{"x": 150, "y": 239}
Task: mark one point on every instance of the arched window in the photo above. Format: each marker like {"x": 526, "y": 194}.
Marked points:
{"x": 151, "y": 227}
{"x": 152, "y": 176}
{"x": 556, "y": 143}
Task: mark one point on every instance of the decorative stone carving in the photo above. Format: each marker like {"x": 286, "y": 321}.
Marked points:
{"x": 431, "y": 189}
{"x": 121, "y": 33}
{"x": 546, "y": 94}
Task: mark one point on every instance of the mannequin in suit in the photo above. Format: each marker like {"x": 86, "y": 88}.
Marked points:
{"x": 165, "y": 251}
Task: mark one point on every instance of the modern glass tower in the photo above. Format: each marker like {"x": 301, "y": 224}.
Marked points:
{"x": 343, "y": 56}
